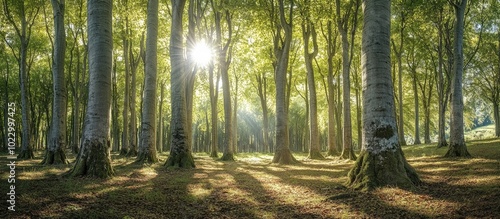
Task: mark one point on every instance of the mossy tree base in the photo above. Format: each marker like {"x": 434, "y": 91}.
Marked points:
{"x": 332, "y": 152}
{"x": 442, "y": 144}
{"x": 348, "y": 154}
{"x": 214, "y": 154}
{"x": 227, "y": 157}
{"x": 180, "y": 160}
{"x": 123, "y": 152}
{"x": 388, "y": 168}
{"x": 284, "y": 156}
{"x": 93, "y": 161}
{"x": 132, "y": 153}
{"x": 146, "y": 158}
{"x": 316, "y": 155}
{"x": 54, "y": 158}
{"x": 458, "y": 150}
{"x": 26, "y": 154}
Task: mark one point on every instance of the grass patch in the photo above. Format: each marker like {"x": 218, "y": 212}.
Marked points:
{"x": 252, "y": 187}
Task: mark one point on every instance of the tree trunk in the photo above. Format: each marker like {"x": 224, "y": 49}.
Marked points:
{"x": 442, "y": 95}
{"x": 159, "y": 137}
{"x": 57, "y": 140}
{"x": 94, "y": 156}
{"x": 308, "y": 31}
{"x": 125, "y": 134}
{"x": 262, "y": 91}
{"x": 342, "y": 24}
{"x": 457, "y": 146}
{"x": 224, "y": 60}
{"x": 214, "y": 93}
{"x": 381, "y": 161}
{"x": 147, "y": 147}
{"x": 496, "y": 116}
{"x": 180, "y": 153}
{"x": 282, "y": 153}
{"x": 134, "y": 63}
{"x": 27, "y": 137}
{"x": 417, "y": 115}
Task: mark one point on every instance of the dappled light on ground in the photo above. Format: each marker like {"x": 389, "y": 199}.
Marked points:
{"x": 252, "y": 187}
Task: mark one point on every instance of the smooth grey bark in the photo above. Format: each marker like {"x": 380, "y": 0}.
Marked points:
{"x": 282, "y": 154}
{"x": 214, "y": 93}
{"x": 308, "y": 31}
{"x": 159, "y": 136}
{"x": 94, "y": 157}
{"x": 262, "y": 92}
{"x": 330, "y": 87}
{"x": 180, "y": 151}
{"x": 347, "y": 55}
{"x": 147, "y": 146}
{"x": 134, "y": 64}
{"x": 126, "y": 96}
{"x": 224, "y": 60}
{"x": 23, "y": 31}
{"x": 398, "y": 50}
{"x": 457, "y": 147}
{"x": 57, "y": 140}
{"x": 381, "y": 161}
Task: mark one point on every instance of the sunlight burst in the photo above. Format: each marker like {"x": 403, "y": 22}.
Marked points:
{"x": 201, "y": 54}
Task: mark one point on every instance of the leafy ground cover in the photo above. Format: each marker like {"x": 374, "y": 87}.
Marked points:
{"x": 251, "y": 187}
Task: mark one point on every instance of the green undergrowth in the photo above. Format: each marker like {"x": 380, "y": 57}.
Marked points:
{"x": 252, "y": 187}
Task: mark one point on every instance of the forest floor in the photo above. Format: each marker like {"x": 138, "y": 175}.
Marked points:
{"x": 251, "y": 187}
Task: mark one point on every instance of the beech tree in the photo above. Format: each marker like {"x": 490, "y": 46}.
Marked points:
{"x": 147, "y": 146}
{"x": 94, "y": 156}
{"x": 282, "y": 152}
{"x": 57, "y": 140}
{"x": 381, "y": 161}
{"x": 180, "y": 151}
{"x": 23, "y": 29}
{"x": 457, "y": 147}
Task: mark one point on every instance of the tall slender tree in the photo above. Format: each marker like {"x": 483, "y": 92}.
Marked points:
{"x": 457, "y": 147}
{"x": 180, "y": 152}
{"x": 57, "y": 140}
{"x": 282, "y": 153}
{"x": 147, "y": 146}
{"x": 381, "y": 161}
{"x": 308, "y": 32}
{"x": 94, "y": 157}
{"x": 23, "y": 31}
{"x": 347, "y": 56}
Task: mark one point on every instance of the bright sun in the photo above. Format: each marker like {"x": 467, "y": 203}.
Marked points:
{"x": 201, "y": 54}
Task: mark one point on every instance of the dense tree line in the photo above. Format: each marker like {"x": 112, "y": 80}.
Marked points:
{"x": 284, "y": 76}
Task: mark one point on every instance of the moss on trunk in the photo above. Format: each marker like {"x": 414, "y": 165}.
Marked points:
{"x": 146, "y": 158}
{"x": 284, "y": 156}
{"x": 388, "y": 168}
{"x": 458, "y": 150}
{"x": 132, "y": 153}
{"x": 227, "y": 157}
{"x": 181, "y": 159}
{"x": 123, "y": 152}
{"x": 26, "y": 154}
{"x": 93, "y": 160}
{"x": 348, "y": 154}
{"x": 57, "y": 157}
